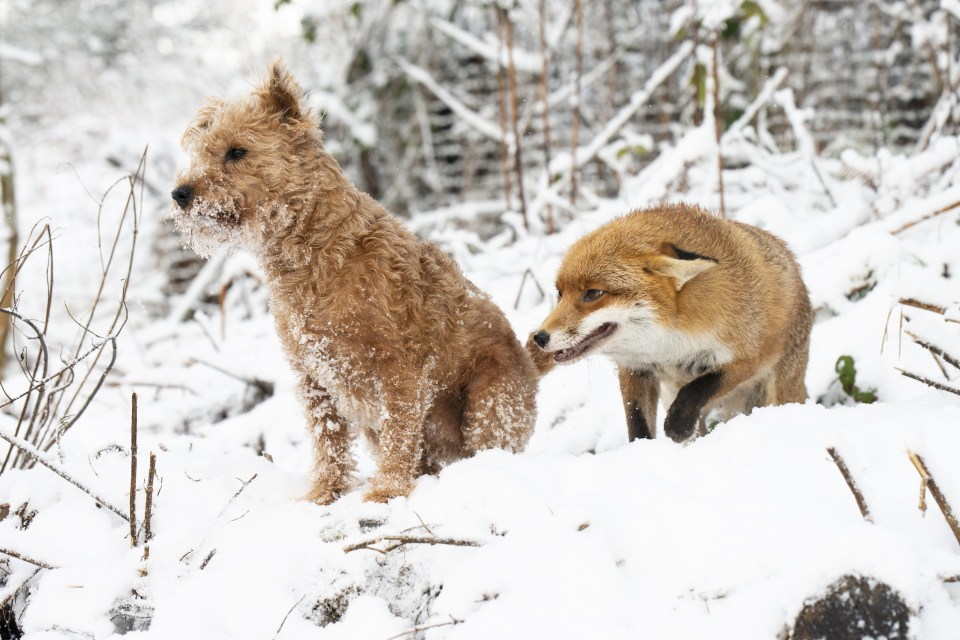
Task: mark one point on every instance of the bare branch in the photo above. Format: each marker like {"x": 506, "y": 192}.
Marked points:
{"x": 19, "y": 556}
{"x": 401, "y": 540}
{"x": 37, "y": 455}
{"x": 133, "y": 469}
{"x": 858, "y": 496}
{"x": 938, "y": 496}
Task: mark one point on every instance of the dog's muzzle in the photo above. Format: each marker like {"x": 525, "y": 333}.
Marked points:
{"x": 181, "y": 195}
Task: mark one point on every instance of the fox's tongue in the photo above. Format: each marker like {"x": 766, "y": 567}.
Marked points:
{"x": 577, "y": 350}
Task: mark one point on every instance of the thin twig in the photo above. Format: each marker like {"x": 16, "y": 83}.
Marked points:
{"x": 544, "y": 97}
{"x": 938, "y": 496}
{"x": 851, "y": 483}
{"x": 28, "y": 559}
{"x": 37, "y": 455}
{"x": 284, "y": 621}
{"x": 133, "y": 469}
{"x": 502, "y": 108}
{"x": 926, "y": 306}
{"x": 934, "y": 349}
{"x": 148, "y": 508}
{"x": 239, "y": 491}
{"x": 940, "y": 211}
{"x": 523, "y": 281}
{"x": 413, "y": 631}
{"x": 929, "y": 382}
{"x": 401, "y": 540}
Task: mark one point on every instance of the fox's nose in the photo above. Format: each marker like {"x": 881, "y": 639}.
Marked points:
{"x": 181, "y": 195}
{"x": 542, "y": 338}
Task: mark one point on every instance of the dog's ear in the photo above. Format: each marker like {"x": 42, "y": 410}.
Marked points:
{"x": 281, "y": 93}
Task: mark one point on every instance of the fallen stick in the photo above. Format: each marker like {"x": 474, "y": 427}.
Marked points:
{"x": 19, "y": 556}
{"x": 940, "y": 211}
{"x": 929, "y": 382}
{"x": 34, "y": 453}
{"x": 413, "y": 631}
{"x": 938, "y": 497}
{"x": 401, "y": 540}
{"x": 934, "y": 349}
{"x": 851, "y": 483}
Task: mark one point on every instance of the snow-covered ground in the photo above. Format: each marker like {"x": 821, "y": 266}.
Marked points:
{"x": 583, "y": 534}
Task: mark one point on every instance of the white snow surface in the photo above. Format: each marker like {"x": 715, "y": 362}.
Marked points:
{"x": 583, "y": 534}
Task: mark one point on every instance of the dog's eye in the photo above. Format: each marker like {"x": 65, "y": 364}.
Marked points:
{"x": 592, "y": 295}
{"x": 235, "y": 153}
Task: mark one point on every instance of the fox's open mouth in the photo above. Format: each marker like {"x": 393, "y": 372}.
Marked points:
{"x": 577, "y": 350}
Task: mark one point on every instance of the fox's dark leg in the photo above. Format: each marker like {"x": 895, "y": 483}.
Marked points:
{"x": 640, "y": 390}
{"x": 684, "y": 414}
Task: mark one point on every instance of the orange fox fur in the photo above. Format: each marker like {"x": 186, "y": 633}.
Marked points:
{"x": 388, "y": 337}
{"x": 706, "y": 313}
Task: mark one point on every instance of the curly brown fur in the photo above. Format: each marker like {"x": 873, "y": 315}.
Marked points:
{"x": 388, "y": 337}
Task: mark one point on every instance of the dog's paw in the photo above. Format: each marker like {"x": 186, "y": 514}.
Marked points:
{"x": 382, "y": 489}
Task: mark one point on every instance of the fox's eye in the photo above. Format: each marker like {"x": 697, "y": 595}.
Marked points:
{"x": 592, "y": 295}
{"x": 559, "y": 294}
{"x": 235, "y": 153}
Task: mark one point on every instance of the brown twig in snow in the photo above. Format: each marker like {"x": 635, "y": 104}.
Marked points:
{"x": 858, "y": 496}
{"x": 35, "y": 454}
{"x": 929, "y": 382}
{"x": 934, "y": 349}
{"x": 284, "y": 621}
{"x": 940, "y": 211}
{"x": 19, "y": 556}
{"x": 413, "y": 631}
{"x": 148, "y": 508}
{"x": 133, "y": 470}
{"x": 926, "y": 306}
{"x": 928, "y": 482}
{"x": 239, "y": 491}
{"x": 401, "y": 540}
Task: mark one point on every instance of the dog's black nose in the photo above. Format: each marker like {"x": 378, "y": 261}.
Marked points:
{"x": 181, "y": 195}
{"x": 541, "y": 338}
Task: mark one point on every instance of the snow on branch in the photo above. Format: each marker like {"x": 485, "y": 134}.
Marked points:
{"x": 468, "y": 115}
{"x": 638, "y": 100}
{"x": 522, "y": 60}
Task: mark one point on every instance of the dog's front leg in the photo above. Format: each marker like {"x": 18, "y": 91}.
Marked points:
{"x": 400, "y": 443}
{"x": 334, "y": 464}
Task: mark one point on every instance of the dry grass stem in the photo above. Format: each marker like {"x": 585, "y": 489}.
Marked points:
{"x": 397, "y": 541}
{"x": 928, "y": 482}
{"x": 851, "y": 483}
{"x": 528, "y": 274}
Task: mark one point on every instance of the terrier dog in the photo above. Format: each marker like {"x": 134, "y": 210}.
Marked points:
{"x": 387, "y": 336}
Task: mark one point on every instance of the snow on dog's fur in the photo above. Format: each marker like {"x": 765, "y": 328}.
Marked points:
{"x": 387, "y": 335}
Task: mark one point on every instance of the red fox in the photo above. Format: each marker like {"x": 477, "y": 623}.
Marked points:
{"x": 709, "y": 314}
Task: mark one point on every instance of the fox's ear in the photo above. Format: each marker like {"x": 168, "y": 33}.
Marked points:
{"x": 681, "y": 270}
{"x": 281, "y": 93}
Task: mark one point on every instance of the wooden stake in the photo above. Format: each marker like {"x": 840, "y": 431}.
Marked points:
{"x": 515, "y": 117}
{"x": 545, "y": 99}
{"x": 148, "y": 509}
{"x": 133, "y": 470}
{"x": 575, "y": 126}
{"x": 927, "y": 482}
